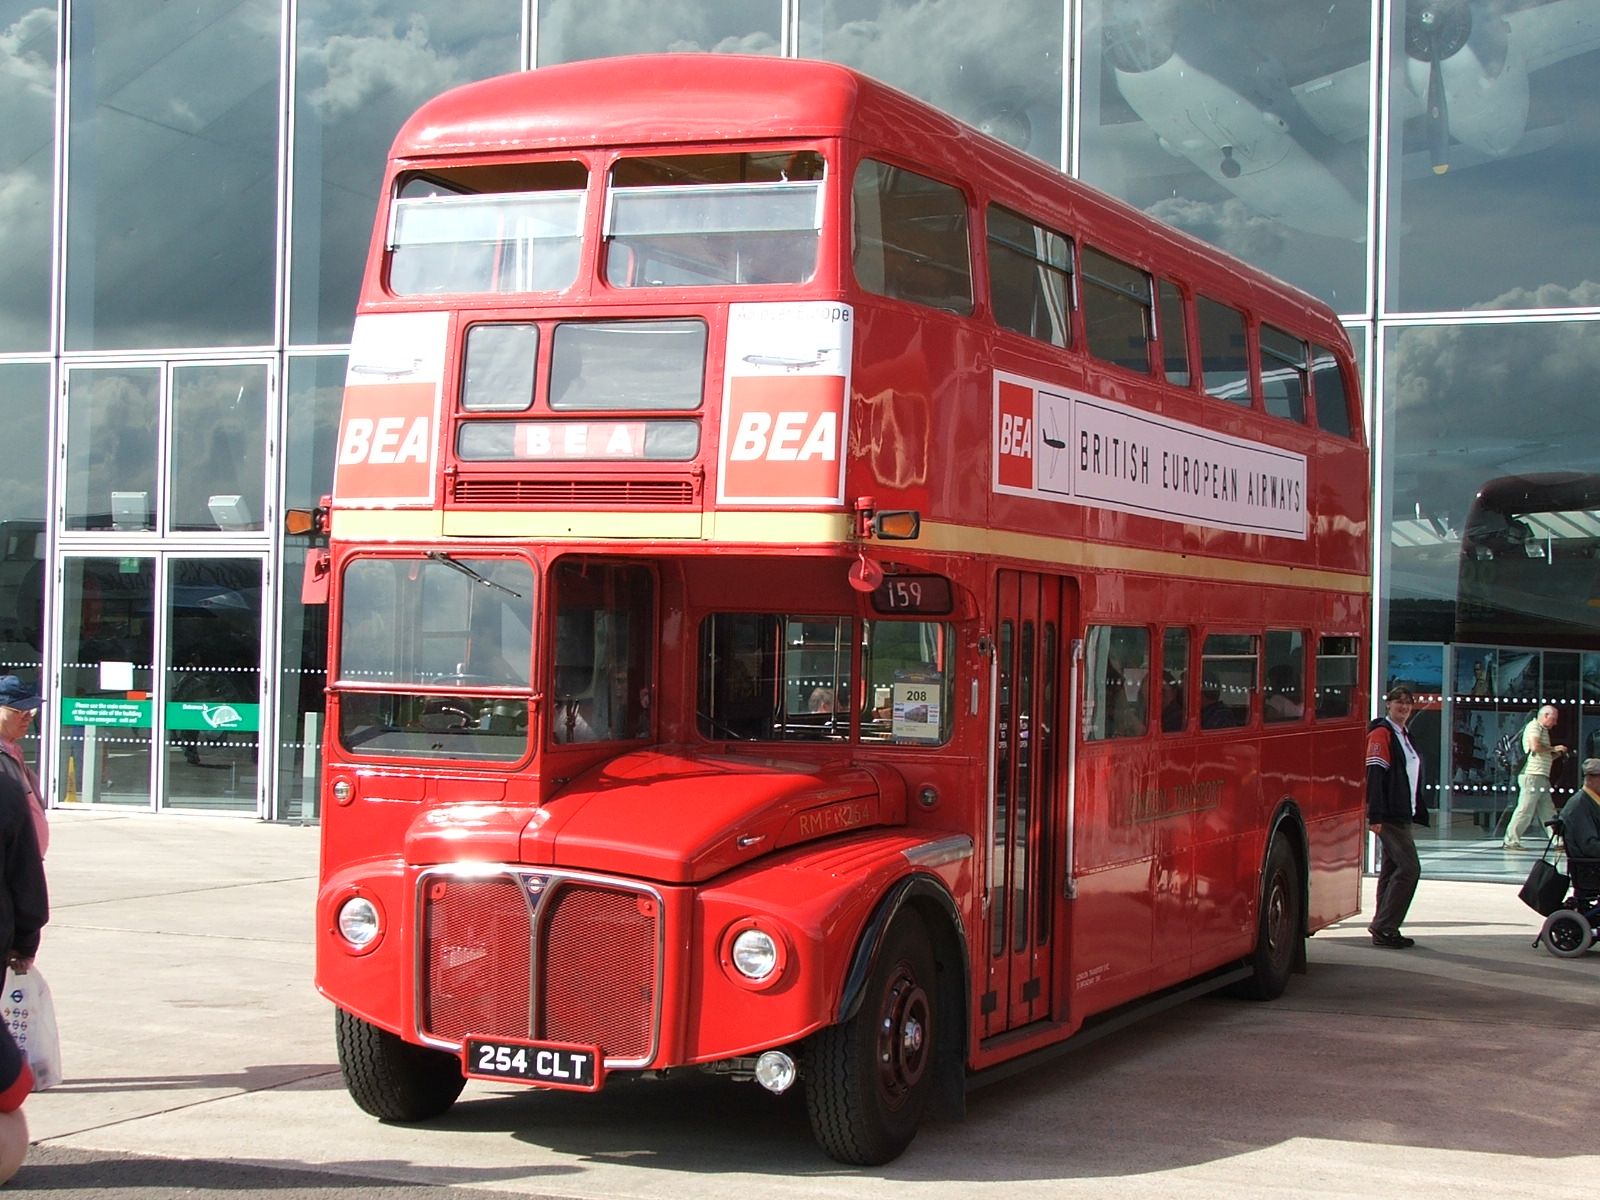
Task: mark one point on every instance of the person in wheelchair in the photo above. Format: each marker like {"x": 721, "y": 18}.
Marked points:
{"x": 1579, "y": 827}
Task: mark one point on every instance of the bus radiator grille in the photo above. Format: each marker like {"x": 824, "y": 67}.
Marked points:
{"x": 673, "y": 493}
{"x": 476, "y": 945}
{"x": 599, "y": 972}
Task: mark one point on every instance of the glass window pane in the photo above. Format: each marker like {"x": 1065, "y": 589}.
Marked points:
{"x": 911, "y": 238}
{"x": 27, "y": 98}
{"x": 1115, "y": 698}
{"x": 1283, "y": 379}
{"x": 1174, "y": 680}
{"x": 1244, "y": 124}
{"x": 1519, "y": 571}
{"x": 1333, "y": 403}
{"x": 219, "y": 422}
{"x": 1228, "y": 672}
{"x": 213, "y": 696}
{"x": 1029, "y": 277}
{"x": 25, "y": 390}
{"x": 1224, "y": 361}
{"x": 359, "y": 73}
{"x": 1492, "y": 201}
{"x": 112, "y": 448}
{"x": 1116, "y": 310}
{"x": 108, "y": 608}
{"x": 1174, "y": 335}
{"x": 1338, "y": 664}
{"x": 1286, "y": 676}
{"x": 604, "y": 659}
{"x": 634, "y": 365}
{"x": 995, "y": 66}
{"x": 907, "y": 682}
{"x": 570, "y": 30}
{"x": 173, "y": 193}
{"x": 498, "y": 376}
{"x": 311, "y": 421}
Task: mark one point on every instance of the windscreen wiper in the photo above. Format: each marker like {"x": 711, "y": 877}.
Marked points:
{"x": 439, "y": 556}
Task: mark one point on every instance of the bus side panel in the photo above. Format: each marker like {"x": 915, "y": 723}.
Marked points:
{"x": 1113, "y": 917}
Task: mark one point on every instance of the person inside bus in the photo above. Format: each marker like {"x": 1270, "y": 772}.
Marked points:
{"x": 1214, "y": 714}
{"x": 1394, "y": 804}
{"x": 1283, "y": 694}
{"x": 820, "y": 700}
{"x": 609, "y": 714}
{"x": 1173, "y": 714}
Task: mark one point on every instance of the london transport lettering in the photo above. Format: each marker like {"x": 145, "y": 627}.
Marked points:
{"x": 1056, "y": 444}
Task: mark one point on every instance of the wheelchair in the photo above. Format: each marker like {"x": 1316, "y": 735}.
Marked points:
{"x": 1571, "y": 929}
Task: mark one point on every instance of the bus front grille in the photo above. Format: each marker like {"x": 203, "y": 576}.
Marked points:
{"x": 539, "y": 956}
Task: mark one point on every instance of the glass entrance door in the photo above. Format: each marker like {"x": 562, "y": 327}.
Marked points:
{"x": 212, "y": 700}
{"x": 201, "y": 619}
{"x": 108, "y": 638}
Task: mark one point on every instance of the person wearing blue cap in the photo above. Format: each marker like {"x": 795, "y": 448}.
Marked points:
{"x": 18, "y": 702}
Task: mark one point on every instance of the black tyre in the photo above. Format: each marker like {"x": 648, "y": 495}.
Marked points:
{"x": 390, "y": 1078}
{"x": 1279, "y": 928}
{"x": 869, "y": 1079}
{"x": 1567, "y": 934}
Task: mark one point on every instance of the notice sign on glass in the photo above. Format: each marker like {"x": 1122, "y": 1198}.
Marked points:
{"x": 105, "y": 710}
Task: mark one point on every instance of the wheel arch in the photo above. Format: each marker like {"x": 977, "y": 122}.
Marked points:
{"x": 925, "y": 897}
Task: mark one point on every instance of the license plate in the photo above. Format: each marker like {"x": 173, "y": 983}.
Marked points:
{"x": 548, "y": 1064}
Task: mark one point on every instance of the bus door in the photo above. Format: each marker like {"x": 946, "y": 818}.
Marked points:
{"x": 1026, "y": 798}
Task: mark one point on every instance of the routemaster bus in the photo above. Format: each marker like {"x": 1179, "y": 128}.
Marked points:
{"x": 819, "y": 598}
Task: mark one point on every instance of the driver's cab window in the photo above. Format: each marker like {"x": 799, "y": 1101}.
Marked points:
{"x": 906, "y": 669}
{"x": 603, "y": 664}
{"x": 775, "y": 677}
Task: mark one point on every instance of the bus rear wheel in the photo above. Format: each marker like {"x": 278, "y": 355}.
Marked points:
{"x": 870, "y": 1077}
{"x": 1280, "y": 927}
{"x": 391, "y": 1079}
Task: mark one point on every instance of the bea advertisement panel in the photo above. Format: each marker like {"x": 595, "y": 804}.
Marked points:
{"x": 785, "y": 404}
{"x": 389, "y": 428}
{"x": 1068, "y": 447}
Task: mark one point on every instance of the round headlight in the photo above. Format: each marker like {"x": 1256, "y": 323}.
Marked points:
{"x": 358, "y": 922}
{"x": 755, "y": 954}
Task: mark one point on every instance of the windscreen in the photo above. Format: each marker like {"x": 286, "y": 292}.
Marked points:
{"x": 430, "y": 647}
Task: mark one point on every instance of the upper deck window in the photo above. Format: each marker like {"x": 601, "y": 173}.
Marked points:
{"x": 1224, "y": 362}
{"x": 1283, "y": 373}
{"x": 1327, "y": 384}
{"x": 911, "y": 238}
{"x": 1174, "y": 334}
{"x": 710, "y": 220}
{"x": 1116, "y": 310}
{"x": 632, "y": 365}
{"x": 1030, "y": 271}
{"x": 475, "y": 230}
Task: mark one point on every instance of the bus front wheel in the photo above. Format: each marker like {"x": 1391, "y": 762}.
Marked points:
{"x": 1279, "y": 927}
{"x": 391, "y": 1079}
{"x": 870, "y": 1077}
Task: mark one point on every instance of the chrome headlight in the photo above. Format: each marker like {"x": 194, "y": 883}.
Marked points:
{"x": 755, "y": 954}
{"x": 358, "y": 922}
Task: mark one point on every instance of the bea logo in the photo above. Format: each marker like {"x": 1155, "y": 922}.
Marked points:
{"x": 783, "y": 439}
{"x": 387, "y": 444}
{"x": 1014, "y": 436}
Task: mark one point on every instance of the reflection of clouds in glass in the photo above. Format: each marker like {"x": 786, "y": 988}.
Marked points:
{"x": 570, "y": 30}
{"x": 362, "y": 66}
{"x": 996, "y": 65}
{"x": 1473, "y": 402}
{"x": 34, "y": 68}
{"x": 1230, "y": 225}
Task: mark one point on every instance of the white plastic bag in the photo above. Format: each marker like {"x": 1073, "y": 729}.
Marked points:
{"x": 30, "y": 1014}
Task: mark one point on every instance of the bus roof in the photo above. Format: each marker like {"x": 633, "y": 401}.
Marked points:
{"x": 656, "y": 99}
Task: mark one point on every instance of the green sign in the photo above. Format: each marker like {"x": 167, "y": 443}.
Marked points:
{"x": 215, "y": 716}
{"x": 105, "y": 710}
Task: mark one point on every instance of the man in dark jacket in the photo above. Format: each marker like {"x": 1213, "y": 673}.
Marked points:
{"x": 24, "y": 908}
{"x": 1394, "y": 802}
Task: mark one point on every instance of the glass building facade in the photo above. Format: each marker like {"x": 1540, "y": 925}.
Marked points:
{"x": 187, "y": 189}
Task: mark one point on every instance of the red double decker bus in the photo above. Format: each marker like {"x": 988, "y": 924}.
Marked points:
{"x": 818, "y": 597}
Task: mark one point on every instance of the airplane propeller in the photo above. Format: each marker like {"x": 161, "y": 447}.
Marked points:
{"x": 1435, "y": 30}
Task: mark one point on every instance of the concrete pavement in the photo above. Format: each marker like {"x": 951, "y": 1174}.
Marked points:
{"x": 195, "y": 1046}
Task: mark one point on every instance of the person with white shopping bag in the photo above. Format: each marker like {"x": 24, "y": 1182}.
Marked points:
{"x": 24, "y": 909}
